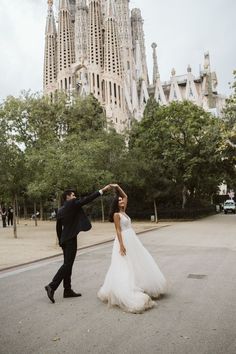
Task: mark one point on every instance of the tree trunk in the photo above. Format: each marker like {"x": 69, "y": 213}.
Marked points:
{"x": 35, "y": 215}
{"x": 102, "y": 206}
{"x": 212, "y": 197}
{"x": 25, "y": 210}
{"x": 41, "y": 210}
{"x": 17, "y": 210}
{"x": 184, "y": 196}
{"x": 14, "y": 216}
{"x": 155, "y": 211}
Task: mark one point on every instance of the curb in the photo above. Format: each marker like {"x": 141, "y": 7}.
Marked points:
{"x": 79, "y": 248}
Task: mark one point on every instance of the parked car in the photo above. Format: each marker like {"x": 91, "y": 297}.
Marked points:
{"x": 229, "y": 206}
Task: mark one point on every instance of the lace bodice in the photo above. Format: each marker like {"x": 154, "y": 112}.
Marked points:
{"x": 125, "y": 221}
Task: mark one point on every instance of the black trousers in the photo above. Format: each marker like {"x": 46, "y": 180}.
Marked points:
{"x": 10, "y": 219}
{"x": 4, "y": 221}
{"x": 64, "y": 273}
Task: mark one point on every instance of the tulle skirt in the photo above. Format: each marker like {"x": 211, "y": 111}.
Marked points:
{"x": 132, "y": 280}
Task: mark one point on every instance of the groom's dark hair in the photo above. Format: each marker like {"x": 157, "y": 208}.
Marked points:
{"x": 66, "y": 193}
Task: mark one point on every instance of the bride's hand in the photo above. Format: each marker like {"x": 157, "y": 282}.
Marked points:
{"x": 114, "y": 185}
{"x": 122, "y": 250}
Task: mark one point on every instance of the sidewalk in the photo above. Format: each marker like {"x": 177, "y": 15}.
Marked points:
{"x": 38, "y": 242}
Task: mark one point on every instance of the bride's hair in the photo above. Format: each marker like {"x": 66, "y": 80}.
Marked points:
{"x": 114, "y": 208}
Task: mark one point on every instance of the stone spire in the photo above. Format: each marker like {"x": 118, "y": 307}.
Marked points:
{"x": 138, "y": 34}
{"x": 209, "y": 100}
{"x": 175, "y": 94}
{"x": 50, "y": 22}
{"x": 159, "y": 92}
{"x": 126, "y": 46}
{"x": 112, "y": 62}
{"x": 50, "y": 52}
{"x": 66, "y": 51}
{"x": 95, "y": 34}
{"x": 207, "y": 67}
{"x": 112, "y": 67}
{"x": 156, "y": 74}
{"x": 191, "y": 93}
{"x": 81, "y": 31}
{"x": 110, "y": 12}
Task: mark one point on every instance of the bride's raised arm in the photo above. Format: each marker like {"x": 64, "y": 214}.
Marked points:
{"x": 121, "y": 193}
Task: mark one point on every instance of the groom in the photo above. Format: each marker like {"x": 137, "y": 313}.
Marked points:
{"x": 71, "y": 219}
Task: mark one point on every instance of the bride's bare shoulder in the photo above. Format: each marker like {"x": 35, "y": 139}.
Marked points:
{"x": 116, "y": 216}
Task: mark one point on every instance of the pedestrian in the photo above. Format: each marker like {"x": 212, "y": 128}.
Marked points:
{"x": 71, "y": 219}
{"x": 4, "y": 217}
{"x": 133, "y": 279}
{"x": 10, "y": 216}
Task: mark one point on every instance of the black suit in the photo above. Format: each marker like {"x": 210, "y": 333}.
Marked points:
{"x": 71, "y": 219}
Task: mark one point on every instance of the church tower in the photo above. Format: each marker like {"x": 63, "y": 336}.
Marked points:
{"x": 138, "y": 35}
{"x": 81, "y": 31}
{"x": 114, "y": 92}
{"x": 95, "y": 47}
{"x": 125, "y": 37}
{"x": 66, "y": 49}
{"x": 98, "y": 48}
{"x": 50, "y": 53}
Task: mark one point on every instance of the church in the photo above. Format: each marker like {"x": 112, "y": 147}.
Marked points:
{"x": 98, "y": 47}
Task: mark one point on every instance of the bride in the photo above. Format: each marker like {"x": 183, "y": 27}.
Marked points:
{"x": 133, "y": 278}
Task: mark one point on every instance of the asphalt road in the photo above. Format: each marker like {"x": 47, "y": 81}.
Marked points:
{"x": 197, "y": 316}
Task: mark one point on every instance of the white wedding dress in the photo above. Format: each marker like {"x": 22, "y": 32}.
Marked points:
{"x": 134, "y": 279}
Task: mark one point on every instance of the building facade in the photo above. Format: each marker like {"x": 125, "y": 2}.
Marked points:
{"x": 98, "y": 47}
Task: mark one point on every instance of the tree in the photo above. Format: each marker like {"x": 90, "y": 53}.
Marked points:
{"x": 13, "y": 173}
{"x": 229, "y": 118}
{"x": 180, "y": 148}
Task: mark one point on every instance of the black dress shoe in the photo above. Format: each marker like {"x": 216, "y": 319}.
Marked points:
{"x": 70, "y": 293}
{"x": 50, "y": 293}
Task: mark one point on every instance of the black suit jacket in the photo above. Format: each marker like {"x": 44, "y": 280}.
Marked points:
{"x": 71, "y": 218}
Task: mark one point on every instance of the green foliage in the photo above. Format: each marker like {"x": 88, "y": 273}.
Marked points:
{"x": 229, "y": 113}
{"x": 12, "y": 173}
{"x": 176, "y": 152}
{"x": 62, "y": 144}
{"x": 229, "y": 118}
{"x": 179, "y": 147}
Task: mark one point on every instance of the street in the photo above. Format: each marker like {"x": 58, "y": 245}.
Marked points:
{"x": 197, "y": 316}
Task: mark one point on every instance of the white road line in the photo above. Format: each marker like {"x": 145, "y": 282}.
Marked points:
{"x": 44, "y": 263}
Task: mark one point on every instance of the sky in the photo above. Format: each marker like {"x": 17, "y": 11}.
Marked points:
{"x": 183, "y": 30}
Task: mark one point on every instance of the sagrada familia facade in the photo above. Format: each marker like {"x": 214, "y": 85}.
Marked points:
{"x": 98, "y": 47}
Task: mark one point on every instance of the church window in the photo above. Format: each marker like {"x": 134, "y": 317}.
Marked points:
{"x": 110, "y": 88}
{"x": 119, "y": 96}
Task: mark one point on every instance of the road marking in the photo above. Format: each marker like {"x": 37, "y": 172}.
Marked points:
{"x": 43, "y": 263}
{"x": 196, "y": 276}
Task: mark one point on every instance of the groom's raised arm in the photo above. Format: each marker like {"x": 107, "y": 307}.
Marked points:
{"x": 82, "y": 201}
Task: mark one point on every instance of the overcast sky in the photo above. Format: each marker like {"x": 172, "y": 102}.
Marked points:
{"x": 182, "y": 29}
